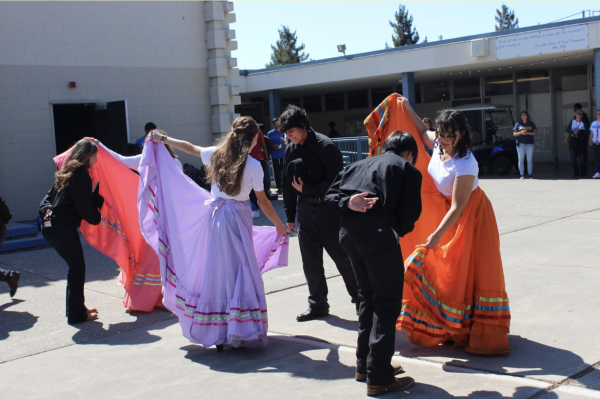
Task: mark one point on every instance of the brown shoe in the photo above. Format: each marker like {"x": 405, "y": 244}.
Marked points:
{"x": 400, "y": 384}
{"x": 360, "y": 377}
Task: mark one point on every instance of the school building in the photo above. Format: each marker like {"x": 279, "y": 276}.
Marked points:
{"x": 104, "y": 69}
{"x": 544, "y": 69}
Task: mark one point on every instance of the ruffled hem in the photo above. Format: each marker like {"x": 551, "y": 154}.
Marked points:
{"x": 481, "y": 324}
{"x": 238, "y": 322}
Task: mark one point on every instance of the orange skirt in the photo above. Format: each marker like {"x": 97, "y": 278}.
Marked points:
{"x": 456, "y": 291}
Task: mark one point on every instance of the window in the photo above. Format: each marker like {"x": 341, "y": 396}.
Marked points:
{"x": 499, "y": 85}
{"x": 529, "y": 82}
{"x": 436, "y": 91}
{"x": 378, "y": 95}
{"x": 358, "y": 99}
{"x": 571, "y": 78}
{"x": 466, "y": 88}
{"x": 312, "y": 104}
{"x": 292, "y": 101}
{"x": 334, "y": 102}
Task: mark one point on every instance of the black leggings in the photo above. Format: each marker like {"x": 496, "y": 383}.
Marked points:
{"x": 65, "y": 239}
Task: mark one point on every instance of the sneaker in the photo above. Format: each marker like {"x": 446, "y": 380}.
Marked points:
{"x": 522, "y": 178}
{"x": 531, "y": 176}
{"x": 255, "y": 214}
{"x": 596, "y": 176}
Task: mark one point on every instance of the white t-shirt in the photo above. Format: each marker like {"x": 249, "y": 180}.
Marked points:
{"x": 595, "y": 129}
{"x": 444, "y": 173}
{"x": 252, "y": 179}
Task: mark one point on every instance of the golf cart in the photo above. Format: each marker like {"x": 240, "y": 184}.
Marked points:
{"x": 496, "y": 148}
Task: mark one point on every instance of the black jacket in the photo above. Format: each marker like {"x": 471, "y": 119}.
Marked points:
{"x": 391, "y": 178}
{"x": 322, "y": 159}
{"x": 5, "y": 214}
{"x": 74, "y": 203}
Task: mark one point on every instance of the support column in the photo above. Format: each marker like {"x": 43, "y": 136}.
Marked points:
{"x": 224, "y": 95}
{"x": 596, "y": 81}
{"x": 408, "y": 88}
{"x": 274, "y": 105}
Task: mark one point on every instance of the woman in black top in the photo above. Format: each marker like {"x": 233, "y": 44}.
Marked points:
{"x": 577, "y": 131}
{"x": 68, "y": 202}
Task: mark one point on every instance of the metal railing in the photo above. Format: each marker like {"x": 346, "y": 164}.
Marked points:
{"x": 353, "y": 148}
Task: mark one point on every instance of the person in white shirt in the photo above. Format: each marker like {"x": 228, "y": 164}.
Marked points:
{"x": 595, "y": 142}
{"x": 460, "y": 264}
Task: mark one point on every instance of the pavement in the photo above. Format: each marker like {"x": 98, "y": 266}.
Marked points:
{"x": 550, "y": 235}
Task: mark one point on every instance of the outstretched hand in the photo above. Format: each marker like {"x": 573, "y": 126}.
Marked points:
{"x": 360, "y": 202}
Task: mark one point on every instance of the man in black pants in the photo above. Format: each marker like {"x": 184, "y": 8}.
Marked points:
{"x": 310, "y": 165}
{"x": 380, "y": 199}
{"x": 11, "y": 277}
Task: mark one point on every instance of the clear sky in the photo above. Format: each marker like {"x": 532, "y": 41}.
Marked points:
{"x": 364, "y": 25}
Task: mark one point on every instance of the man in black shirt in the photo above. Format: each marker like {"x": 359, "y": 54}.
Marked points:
{"x": 380, "y": 200}
{"x": 310, "y": 164}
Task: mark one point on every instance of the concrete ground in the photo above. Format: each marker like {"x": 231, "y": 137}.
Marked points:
{"x": 550, "y": 238}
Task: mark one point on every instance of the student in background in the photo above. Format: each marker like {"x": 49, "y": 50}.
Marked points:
{"x": 278, "y": 141}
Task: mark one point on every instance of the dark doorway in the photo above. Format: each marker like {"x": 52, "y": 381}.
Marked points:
{"x": 106, "y": 122}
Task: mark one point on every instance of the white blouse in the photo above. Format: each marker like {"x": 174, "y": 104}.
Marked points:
{"x": 252, "y": 179}
{"x": 444, "y": 173}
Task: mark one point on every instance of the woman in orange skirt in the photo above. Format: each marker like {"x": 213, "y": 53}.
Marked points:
{"x": 454, "y": 283}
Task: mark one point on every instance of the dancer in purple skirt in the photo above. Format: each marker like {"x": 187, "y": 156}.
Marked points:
{"x": 210, "y": 258}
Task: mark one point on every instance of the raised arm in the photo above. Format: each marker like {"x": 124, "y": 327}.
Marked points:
{"x": 181, "y": 145}
{"x": 132, "y": 162}
{"x": 426, "y": 135}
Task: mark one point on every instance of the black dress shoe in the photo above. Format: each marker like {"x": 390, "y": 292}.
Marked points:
{"x": 13, "y": 283}
{"x": 311, "y": 314}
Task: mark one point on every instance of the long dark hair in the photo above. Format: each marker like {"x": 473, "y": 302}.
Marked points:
{"x": 228, "y": 161}
{"x": 79, "y": 157}
{"x": 528, "y": 117}
{"x": 451, "y": 121}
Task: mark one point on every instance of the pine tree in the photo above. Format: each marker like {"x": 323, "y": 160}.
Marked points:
{"x": 387, "y": 46}
{"x": 404, "y": 33}
{"x": 440, "y": 37}
{"x": 286, "y": 51}
{"x": 505, "y": 19}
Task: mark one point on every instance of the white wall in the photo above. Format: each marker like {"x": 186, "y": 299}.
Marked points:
{"x": 152, "y": 54}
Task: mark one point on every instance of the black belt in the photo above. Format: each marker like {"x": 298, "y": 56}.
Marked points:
{"x": 311, "y": 200}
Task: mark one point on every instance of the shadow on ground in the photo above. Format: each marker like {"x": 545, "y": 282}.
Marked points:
{"x": 527, "y": 358}
{"x": 296, "y": 360}
{"x": 14, "y": 321}
{"x": 46, "y": 263}
{"x": 420, "y": 390}
{"x": 95, "y": 332}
